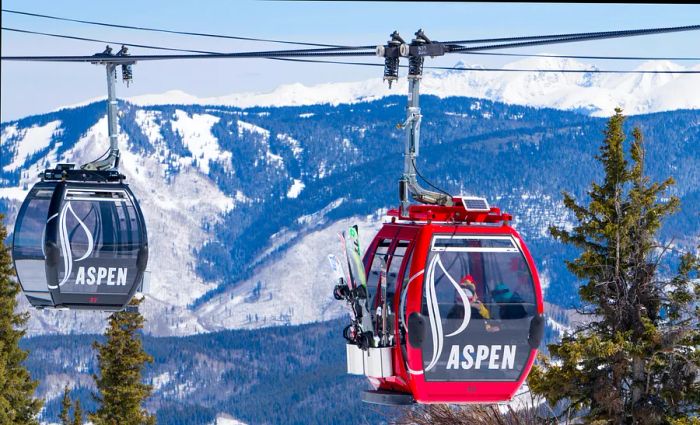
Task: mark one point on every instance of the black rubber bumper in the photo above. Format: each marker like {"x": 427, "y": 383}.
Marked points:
{"x": 387, "y": 398}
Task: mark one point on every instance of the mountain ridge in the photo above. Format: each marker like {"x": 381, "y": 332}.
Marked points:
{"x": 594, "y": 94}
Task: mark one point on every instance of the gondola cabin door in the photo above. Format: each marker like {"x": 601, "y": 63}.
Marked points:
{"x": 395, "y": 243}
{"x": 470, "y": 314}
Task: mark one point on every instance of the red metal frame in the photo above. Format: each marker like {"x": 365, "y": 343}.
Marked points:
{"x": 419, "y": 226}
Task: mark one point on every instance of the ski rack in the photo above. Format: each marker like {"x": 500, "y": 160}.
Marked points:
{"x": 374, "y": 362}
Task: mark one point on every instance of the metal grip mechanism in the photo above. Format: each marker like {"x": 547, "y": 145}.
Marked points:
{"x": 111, "y": 161}
{"x": 415, "y": 62}
{"x": 127, "y": 72}
{"x": 391, "y": 63}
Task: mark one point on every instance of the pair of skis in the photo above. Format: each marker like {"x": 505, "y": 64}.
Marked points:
{"x": 353, "y": 289}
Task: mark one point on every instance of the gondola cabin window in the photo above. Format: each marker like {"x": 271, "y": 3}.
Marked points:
{"x": 479, "y": 298}
{"x": 102, "y": 241}
{"x": 375, "y": 270}
{"x": 29, "y": 242}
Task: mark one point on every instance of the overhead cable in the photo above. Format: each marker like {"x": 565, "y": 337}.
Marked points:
{"x": 95, "y": 40}
{"x": 629, "y": 58}
{"x": 173, "y": 49}
{"x": 577, "y": 38}
{"x": 534, "y": 38}
{"x": 554, "y": 36}
{"x": 190, "y": 33}
{"x": 307, "y": 53}
{"x": 340, "y": 62}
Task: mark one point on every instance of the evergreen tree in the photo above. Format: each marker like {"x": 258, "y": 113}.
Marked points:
{"x": 77, "y": 413}
{"x": 64, "y": 416}
{"x": 636, "y": 361}
{"x": 121, "y": 360}
{"x": 17, "y": 403}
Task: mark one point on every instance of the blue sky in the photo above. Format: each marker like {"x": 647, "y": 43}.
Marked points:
{"x": 29, "y": 88}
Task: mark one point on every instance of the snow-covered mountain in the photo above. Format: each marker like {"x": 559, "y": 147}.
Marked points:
{"x": 243, "y": 205}
{"x": 595, "y": 94}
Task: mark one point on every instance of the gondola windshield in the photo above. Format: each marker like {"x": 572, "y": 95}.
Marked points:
{"x": 479, "y": 298}
{"x": 99, "y": 241}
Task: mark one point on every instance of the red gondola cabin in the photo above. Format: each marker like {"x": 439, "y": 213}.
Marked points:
{"x": 466, "y": 307}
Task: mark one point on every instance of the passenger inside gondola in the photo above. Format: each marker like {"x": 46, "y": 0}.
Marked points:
{"x": 510, "y": 304}
{"x": 477, "y": 307}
